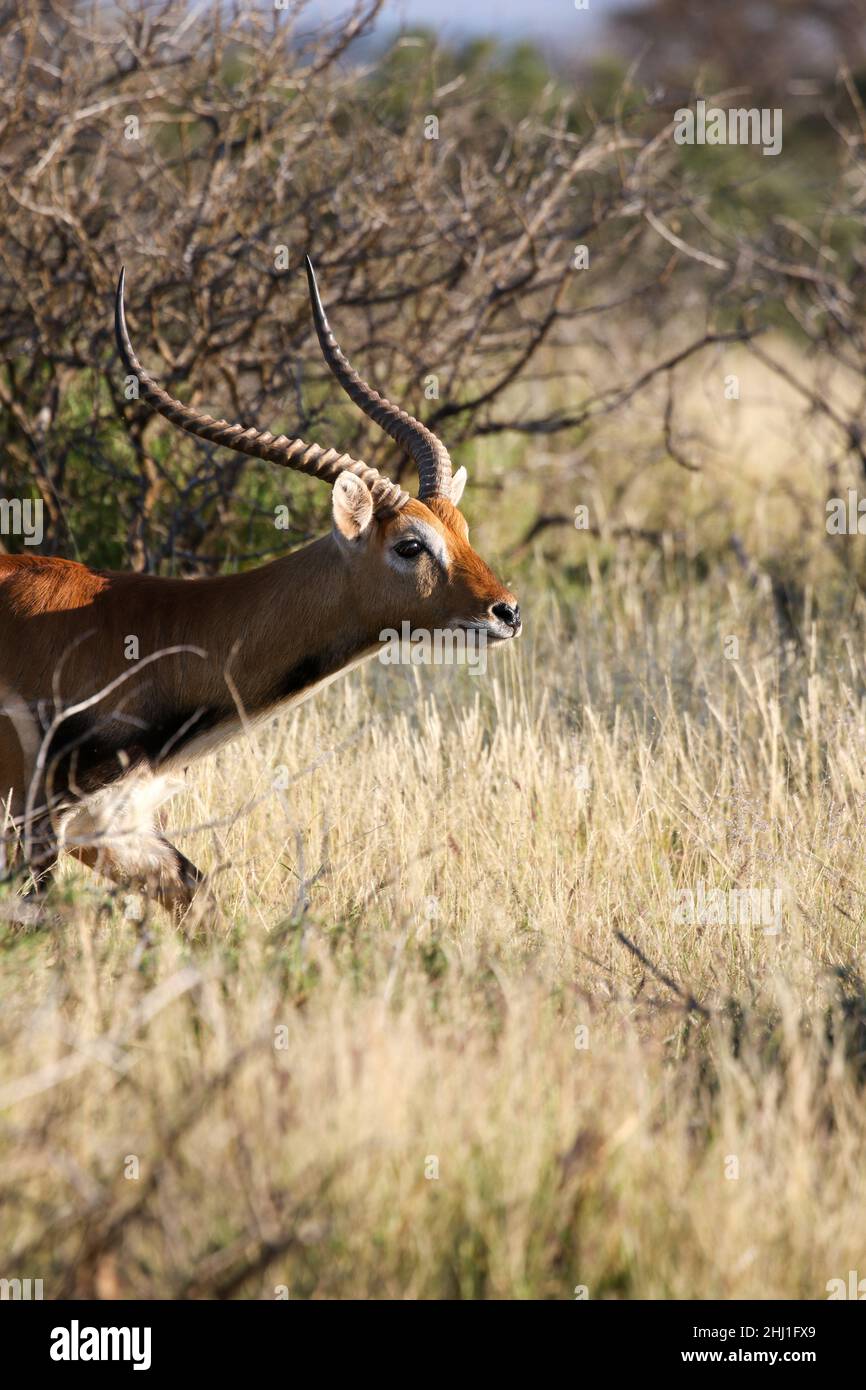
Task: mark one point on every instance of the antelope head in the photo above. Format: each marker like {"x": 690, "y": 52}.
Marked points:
{"x": 407, "y": 558}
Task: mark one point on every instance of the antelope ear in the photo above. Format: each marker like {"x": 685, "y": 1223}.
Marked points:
{"x": 458, "y": 483}
{"x": 352, "y": 505}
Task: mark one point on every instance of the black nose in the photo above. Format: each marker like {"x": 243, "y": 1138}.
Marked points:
{"x": 507, "y": 614}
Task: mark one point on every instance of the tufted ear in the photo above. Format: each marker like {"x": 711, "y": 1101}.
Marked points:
{"x": 352, "y": 505}
{"x": 458, "y": 483}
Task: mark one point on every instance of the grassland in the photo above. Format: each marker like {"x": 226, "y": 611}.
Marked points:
{"x": 445, "y": 1032}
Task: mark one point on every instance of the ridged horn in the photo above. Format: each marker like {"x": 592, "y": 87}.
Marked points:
{"x": 326, "y": 464}
{"x": 429, "y": 453}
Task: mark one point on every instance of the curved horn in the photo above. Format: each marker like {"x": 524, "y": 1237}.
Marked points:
{"x": 431, "y": 457}
{"x": 326, "y": 464}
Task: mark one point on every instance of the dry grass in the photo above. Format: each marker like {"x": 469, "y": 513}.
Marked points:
{"x": 407, "y": 941}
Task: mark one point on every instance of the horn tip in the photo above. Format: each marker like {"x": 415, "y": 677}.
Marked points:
{"x": 120, "y": 330}
{"x": 315, "y": 298}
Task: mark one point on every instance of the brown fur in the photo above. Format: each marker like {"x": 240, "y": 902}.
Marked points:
{"x": 254, "y": 640}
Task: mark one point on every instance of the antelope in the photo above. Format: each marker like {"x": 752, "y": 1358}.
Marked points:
{"x": 91, "y": 742}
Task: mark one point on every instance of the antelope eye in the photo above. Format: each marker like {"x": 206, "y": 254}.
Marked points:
{"x": 409, "y": 550}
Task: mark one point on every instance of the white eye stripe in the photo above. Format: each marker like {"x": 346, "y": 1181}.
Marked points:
{"x": 428, "y": 538}
{"x": 431, "y": 538}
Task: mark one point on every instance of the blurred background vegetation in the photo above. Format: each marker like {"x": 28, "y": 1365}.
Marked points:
{"x": 443, "y": 189}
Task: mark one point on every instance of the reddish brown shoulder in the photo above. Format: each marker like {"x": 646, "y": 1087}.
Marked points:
{"x": 34, "y": 584}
